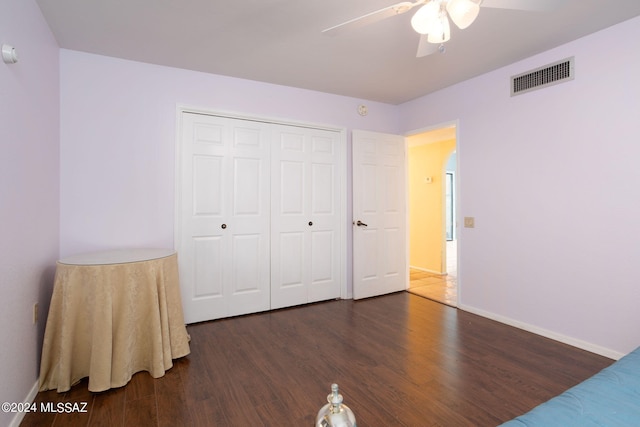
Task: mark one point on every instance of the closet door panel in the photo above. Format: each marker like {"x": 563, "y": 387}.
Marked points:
{"x": 324, "y": 208}
{"x": 323, "y": 189}
{"x": 224, "y": 214}
{"x": 247, "y": 186}
{"x": 288, "y": 270}
{"x": 207, "y": 267}
{"x": 207, "y": 185}
{"x": 246, "y": 284}
{"x": 289, "y": 238}
{"x": 291, "y": 188}
{"x": 324, "y": 268}
{"x": 306, "y": 196}
{"x": 247, "y": 287}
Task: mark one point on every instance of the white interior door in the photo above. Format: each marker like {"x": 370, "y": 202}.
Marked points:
{"x": 224, "y": 212}
{"x": 305, "y": 216}
{"x": 379, "y": 214}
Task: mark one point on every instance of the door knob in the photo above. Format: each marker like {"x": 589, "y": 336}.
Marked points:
{"x": 223, "y": 226}
{"x": 310, "y": 223}
{"x": 361, "y": 224}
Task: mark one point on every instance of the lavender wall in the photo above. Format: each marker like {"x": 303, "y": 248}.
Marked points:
{"x": 118, "y": 138}
{"x": 29, "y": 193}
{"x": 552, "y": 179}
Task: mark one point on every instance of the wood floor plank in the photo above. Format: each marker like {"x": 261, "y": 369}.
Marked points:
{"x": 141, "y": 385}
{"x": 172, "y": 401}
{"x": 399, "y": 360}
{"x": 141, "y": 412}
{"x": 108, "y": 408}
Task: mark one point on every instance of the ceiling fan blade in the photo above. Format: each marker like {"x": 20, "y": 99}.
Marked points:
{"x": 370, "y": 18}
{"x": 425, "y": 48}
{"x": 531, "y": 5}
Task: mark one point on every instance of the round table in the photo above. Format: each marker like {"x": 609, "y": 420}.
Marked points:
{"x": 112, "y": 314}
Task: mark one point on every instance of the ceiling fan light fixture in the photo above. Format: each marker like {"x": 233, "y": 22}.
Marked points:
{"x": 463, "y": 12}
{"x": 441, "y": 31}
{"x": 424, "y": 20}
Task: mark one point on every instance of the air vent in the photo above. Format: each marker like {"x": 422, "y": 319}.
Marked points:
{"x": 549, "y": 75}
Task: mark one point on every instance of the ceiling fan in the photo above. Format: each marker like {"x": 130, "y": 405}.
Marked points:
{"x": 431, "y": 20}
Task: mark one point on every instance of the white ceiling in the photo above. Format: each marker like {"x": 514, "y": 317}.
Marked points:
{"x": 280, "y": 41}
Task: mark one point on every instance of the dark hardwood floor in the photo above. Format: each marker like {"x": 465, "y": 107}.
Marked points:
{"x": 400, "y": 360}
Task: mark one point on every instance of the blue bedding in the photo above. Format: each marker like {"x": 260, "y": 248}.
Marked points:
{"x": 611, "y": 398}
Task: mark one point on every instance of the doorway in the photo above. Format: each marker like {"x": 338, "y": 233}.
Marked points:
{"x": 432, "y": 171}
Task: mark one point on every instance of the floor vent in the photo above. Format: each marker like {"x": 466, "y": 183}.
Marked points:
{"x": 549, "y": 75}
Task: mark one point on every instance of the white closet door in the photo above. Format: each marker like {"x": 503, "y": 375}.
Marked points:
{"x": 224, "y": 232}
{"x": 305, "y": 216}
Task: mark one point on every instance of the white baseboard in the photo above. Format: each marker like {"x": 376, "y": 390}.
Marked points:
{"x": 545, "y": 333}
{"x": 17, "y": 419}
{"x": 428, "y": 271}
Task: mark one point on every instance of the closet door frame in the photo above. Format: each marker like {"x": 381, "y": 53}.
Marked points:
{"x": 345, "y": 224}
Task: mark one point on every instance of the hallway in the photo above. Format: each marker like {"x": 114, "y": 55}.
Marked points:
{"x": 438, "y": 287}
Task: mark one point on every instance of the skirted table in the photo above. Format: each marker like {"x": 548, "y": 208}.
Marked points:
{"x": 113, "y": 314}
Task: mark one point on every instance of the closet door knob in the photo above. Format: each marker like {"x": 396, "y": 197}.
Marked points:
{"x": 310, "y": 223}
{"x": 223, "y": 226}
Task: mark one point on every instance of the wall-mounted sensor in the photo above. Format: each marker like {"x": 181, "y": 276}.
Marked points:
{"x": 9, "y": 54}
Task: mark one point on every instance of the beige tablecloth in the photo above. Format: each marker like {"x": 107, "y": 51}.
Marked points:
{"x": 109, "y": 321}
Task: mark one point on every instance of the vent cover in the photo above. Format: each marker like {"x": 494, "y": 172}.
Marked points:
{"x": 549, "y": 75}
